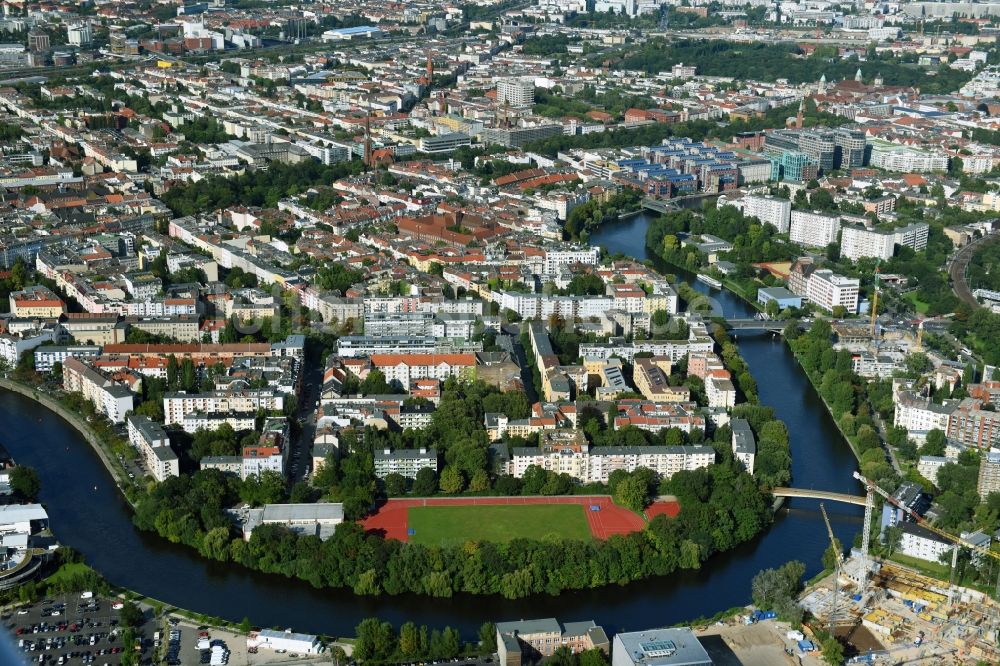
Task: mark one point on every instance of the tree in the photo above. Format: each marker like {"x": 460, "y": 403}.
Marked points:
{"x": 24, "y": 482}
{"x": 893, "y": 537}
{"x": 131, "y": 615}
{"x": 487, "y": 638}
{"x": 934, "y": 443}
{"x": 376, "y": 640}
{"x": 425, "y": 482}
{"x": 833, "y": 651}
{"x": 452, "y": 481}
{"x": 632, "y": 493}
{"x": 395, "y": 484}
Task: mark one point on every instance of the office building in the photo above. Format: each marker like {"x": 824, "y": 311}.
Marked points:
{"x": 849, "y": 148}
{"x": 313, "y": 519}
{"x": 828, "y": 290}
{"x": 813, "y": 229}
{"x": 36, "y": 302}
{"x": 527, "y": 641}
{"x": 677, "y": 646}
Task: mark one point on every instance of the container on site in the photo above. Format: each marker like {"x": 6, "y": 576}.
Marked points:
{"x": 795, "y": 635}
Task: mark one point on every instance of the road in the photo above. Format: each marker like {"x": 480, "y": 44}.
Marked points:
{"x": 958, "y": 266}
{"x": 300, "y": 456}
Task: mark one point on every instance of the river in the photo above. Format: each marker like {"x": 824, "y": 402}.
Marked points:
{"x": 88, "y": 513}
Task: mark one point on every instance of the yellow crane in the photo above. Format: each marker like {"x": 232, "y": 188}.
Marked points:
{"x": 919, "y": 520}
{"x": 836, "y": 567}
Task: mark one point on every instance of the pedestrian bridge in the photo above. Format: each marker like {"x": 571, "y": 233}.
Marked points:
{"x": 858, "y": 500}
{"x": 755, "y": 324}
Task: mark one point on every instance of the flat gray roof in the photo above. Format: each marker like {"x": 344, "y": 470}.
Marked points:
{"x": 662, "y": 647}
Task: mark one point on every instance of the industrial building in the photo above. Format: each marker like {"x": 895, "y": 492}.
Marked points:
{"x": 659, "y": 647}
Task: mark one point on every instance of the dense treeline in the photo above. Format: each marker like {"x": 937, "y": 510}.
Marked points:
{"x": 981, "y": 273}
{"x": 721, "y": 507}
{"x": 255, "y": 188}
{"x": 768, "y": 62}
{"x": 980, "y": 329}
{"x": 845, "y": 394}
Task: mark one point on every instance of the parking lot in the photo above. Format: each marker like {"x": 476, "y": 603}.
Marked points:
{"x": 69, "y": 630}
{"x": 190, "y": 636}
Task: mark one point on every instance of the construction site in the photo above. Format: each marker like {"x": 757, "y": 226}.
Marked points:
{"x": 886, "y": 613}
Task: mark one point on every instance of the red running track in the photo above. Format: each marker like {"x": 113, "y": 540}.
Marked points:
{"x": 391, "y": 518}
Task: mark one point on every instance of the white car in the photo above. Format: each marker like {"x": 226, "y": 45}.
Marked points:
{"x": 22, "y": 611}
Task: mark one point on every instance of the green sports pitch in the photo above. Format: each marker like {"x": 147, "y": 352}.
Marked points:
{"x": 450, "y": 525}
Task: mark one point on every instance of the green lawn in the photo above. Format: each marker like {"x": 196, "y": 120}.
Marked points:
{"x": 449, "y": 525}
{"x": 932, "y": 569}
{"x": 69, "y": 571}
{"x": 920, "y": 306}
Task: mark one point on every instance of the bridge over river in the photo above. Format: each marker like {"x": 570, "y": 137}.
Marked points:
{"x": 858, "y": 500}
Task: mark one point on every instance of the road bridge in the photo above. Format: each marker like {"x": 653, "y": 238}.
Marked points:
{"x": 857, "y": 500}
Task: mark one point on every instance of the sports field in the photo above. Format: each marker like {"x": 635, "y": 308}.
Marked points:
{"x": 450, "y": 525}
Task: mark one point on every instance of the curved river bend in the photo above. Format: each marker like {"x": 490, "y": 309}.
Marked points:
{"x": 88, "y": 513}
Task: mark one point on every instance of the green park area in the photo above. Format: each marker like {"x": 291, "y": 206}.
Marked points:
{"x": 454, "y": 525}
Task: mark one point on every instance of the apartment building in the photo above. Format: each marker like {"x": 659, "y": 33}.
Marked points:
{"x": 566, "y": 452}
{"x": 656, "y": 416}
{"x": 542, "y": 306}
{"x": 827, "y": 290}
{"x": 515, "y": 93}
{"x": 813, "y": 229}
{"x": 744, "y": 443}
{"x": 153, "y": 444}
{"x": 406, "y": 462}
{"x": 769, "y": 210}
{"x": 720, "y": 391}
{"x": 973, "y": 426}
{"x": 195, "y": 421}
{"x": 921, "y": 543}
{"x": 920, "y": 415}
{"x": 47, "y": 357}
{"x": 178, "y": 405}
{"x": 989, "y": 473}
{"x": 407, "y": 368}
{"x": 109, "y": 398}
{"x": 36, "y": 302}
{"x": 929, "y": 466}
{"x": 650, "y": 377}
{"x": 858, "y": 242}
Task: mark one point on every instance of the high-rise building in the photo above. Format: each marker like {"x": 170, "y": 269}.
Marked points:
{"x": 989, "y": 474}
{"x": 515, "y": 93}
{"x": 858, "y": 242}
{"x": 38, "y": 41}
{"x": 849, "y": 151}
{"x": 770, "y": 210}
{"x": 813, "y": 229}
{"x": 79, "y": 35}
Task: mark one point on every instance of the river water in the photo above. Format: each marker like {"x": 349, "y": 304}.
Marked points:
{"x": 88, "y": 513}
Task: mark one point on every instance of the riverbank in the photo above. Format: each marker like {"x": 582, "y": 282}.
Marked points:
{"x": 826, "y": 406}
{"x": 76, "y": 422}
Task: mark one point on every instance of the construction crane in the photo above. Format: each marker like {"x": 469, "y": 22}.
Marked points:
{"x": 836, "y": 567}
{"x": 919, "y": 520}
